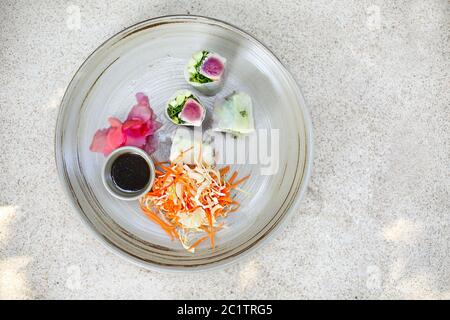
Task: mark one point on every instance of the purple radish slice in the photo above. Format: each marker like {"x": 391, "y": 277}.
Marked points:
{"x": 212, "y": 67}
{"x": 192, "y": 112}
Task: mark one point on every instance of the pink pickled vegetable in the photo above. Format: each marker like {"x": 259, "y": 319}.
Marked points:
{"x": 138, "y": 130}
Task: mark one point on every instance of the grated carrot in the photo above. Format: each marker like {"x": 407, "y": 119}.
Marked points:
{"x": 189, "y": 199}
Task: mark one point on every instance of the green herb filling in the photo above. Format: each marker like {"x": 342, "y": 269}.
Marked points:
{"x": 197, "y": 76}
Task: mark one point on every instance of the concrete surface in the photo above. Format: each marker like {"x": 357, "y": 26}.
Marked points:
{"x": 375, "y": 222}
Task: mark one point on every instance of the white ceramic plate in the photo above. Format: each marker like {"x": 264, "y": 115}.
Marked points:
{"x": 149, "y": 57}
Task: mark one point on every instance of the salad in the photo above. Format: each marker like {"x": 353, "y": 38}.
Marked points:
{"x": 187, "y": 201}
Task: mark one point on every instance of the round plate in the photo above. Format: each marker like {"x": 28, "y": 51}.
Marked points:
{"x": 149, "y": 57}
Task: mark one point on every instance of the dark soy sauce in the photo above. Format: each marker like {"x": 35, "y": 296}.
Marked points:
{"x": 130, "y": 172}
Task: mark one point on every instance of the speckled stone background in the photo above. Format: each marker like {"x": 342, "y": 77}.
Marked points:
{"x": 375, "y": 222}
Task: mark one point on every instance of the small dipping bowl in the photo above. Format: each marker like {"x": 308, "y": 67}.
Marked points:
{"x": 111, "y": 186}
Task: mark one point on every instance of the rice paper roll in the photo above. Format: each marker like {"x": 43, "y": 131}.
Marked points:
{"x": 189, "y": 149}
{"x": 184, "y": 108}
{"x": 205, "y": 72}
{"x": 234, "y": 114}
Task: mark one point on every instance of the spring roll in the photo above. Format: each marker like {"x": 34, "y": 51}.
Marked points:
{"x": 234, "y": 114}
{"x": 185, "y": 109}
{"x": 205, "y": 72}
{"x": 186, "y": 148}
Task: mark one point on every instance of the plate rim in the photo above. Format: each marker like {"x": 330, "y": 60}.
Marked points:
{"x": 309, "y": 157}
